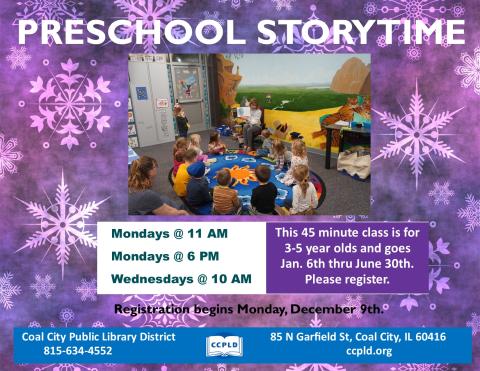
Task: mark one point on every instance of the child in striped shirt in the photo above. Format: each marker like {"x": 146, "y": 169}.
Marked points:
{"x": 225, "y": 199}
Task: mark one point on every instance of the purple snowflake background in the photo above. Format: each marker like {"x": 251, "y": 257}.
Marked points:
{"x": 32, "y": 170}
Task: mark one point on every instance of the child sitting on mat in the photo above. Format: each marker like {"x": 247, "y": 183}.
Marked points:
{"x": 280, "y": 154}
{"x": 178, "y": 159}
{"x": 180, "y": 143}
{"x": 225, "y": 199}
{"x": 305, "y": 198}
{"x": 267, "y": 144}
{"x": 299, "y": 157}
{"x": 179, "y": 149}
{"x": 198, "y": 192}
{"x": 263, "y": 196}
{"x": 216, "y": 146}
{"x": 181, "y": 180}
{"x": 195, "y": 140}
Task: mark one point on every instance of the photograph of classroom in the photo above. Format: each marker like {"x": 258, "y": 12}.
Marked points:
{"x": 249, "y": 134}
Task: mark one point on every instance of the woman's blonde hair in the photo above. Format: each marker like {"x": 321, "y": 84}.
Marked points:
{"x": 299, "y": 148}
{"x": 139, "y": 178}
{"x": 300, "y": 174}
{"x": 195, "y": 140}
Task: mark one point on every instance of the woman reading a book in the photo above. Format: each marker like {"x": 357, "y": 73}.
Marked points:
{"x": 253, "y": 125}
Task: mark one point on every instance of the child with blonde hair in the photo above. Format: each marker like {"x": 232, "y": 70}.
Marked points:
{"x": 280, "y": 154}
{"x": 195, "y": 140}
{"x": 299, "y": 157}
{"x": 181, "y": 119}
{"x": 267, "y": 144}
{"x": 305, "y": 198}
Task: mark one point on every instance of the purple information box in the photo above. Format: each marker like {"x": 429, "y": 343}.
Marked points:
{"x": 347, "y": 257}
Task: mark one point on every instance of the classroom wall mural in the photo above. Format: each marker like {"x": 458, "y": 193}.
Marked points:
{"x": 297, "y": 92}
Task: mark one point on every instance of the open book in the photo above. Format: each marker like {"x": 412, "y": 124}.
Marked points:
{"x": 243, "y": 111}
{"x": 224, "y": 346}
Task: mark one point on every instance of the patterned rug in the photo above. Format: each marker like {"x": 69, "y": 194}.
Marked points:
{"x": 242, "y": 168}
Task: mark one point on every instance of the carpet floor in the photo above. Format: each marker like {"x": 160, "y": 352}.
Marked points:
{"x": 344, "y": 195}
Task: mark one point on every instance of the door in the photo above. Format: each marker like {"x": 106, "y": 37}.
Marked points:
{"x": 187, "y": 82}
{"x": 148, "y": 88}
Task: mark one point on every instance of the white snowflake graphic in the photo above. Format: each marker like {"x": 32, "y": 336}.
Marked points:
{"x": 8, "y": 290}
{"x": 470, "y": 70}
{"x": 299, "y": 45}
{"x": 370, "y": 9}
{"x": 215, "y": 15}
{"x": 66, "y": 367}
{"x": 222, "y": 367}
{"x": 441, "y": 193}
{"x": 435, "y": 253}
{"x": 62, "y": 224}
{"x": 70, "y": 104}
{"x": 414, "y": 53}
{"x": 67, "y": 316}
{"x": 422, "y": 367}
{"x": 427, "y": 11}
{"x": 316, "y": 322}
{"x": 8, "y": 155}
{"x": 18, "y": 57}
{"x": 149, "y": 11}
{"x": 316, "y": 367}
{"x": 474, "y": 323}
{"x": 283, "y": 4}
{"x": 417, "y": 134}
{"x": 438, "y": 282}
{"x": 43, "y": 286}
{"x": 87, "y": 289}
{"x": 57, "y": 10}
{"x": 184, "y": 319}
{"x": 353, "y": 301}
{"x": 382, "y": 41}
{"x": 235, "y": 4}
{"x": 471, "y": 213}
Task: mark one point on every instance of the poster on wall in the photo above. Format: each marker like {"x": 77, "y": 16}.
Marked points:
{"x": 142, "y": 93}
{"x": 187, "y": 83}
{"x": 161, "y": 103}
{"x": 132, "y": 130}
{"x": 164, "y": 127}
{"x": 133, "y": 142}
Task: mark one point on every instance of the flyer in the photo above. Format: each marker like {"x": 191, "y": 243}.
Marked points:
{"x": 232, "y": 185}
